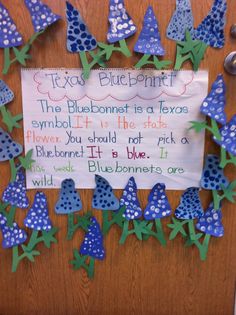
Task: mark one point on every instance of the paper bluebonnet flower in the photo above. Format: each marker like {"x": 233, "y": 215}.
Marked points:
{"x": 149, "y": 41}
{"x": 6, "y": 94}
{"x": 93, "y": 241}
{"x": 211, "y": 30}
{"x": 9, "y": 149}
{"x": 121, "y": 24}
{"x": 129, "y": 199}
{"x": 211, "y": 222}
{"x": 12, "y": 235}
{"x": 69, "y": 200}
{"x": 228, "y": 136}
{"x": 214, "y": 104}
{"x": 158, "y": 205}
{"x": 37, "y": 218}
{"x": 103, "y": 196}
{"x": 181, "y": 20}
{"x": 213, "y": 176}
{"x": 9, "y": 35}
{"x": 78, "y": 36}
{"x": 41, "y": 15}
{"x": 190, "y": 206}
{"x": 15, "y": 193}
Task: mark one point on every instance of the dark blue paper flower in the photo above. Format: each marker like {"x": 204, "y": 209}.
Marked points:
{"x": 190, "y": 206}
{"x": 37, "y": 218}
{"x": 93, "y": 241}
{"x": 41, "y": 15}
{"x": 211, "y": 222}
{"x": 214, "y": 104}
{"x": 149, "y": 41}
{"x": 158, "y": 205}
{"x": 121, "y": 24}
{"x": 69, "y": 200}
{"x": 78, "y": 36}
{"x": 129, "y": 199}
{"x": 211, "y": 30}
{"x": 9, "y": 149}
{"x": 6, "y": 94}
{"x": 181, "y": 21}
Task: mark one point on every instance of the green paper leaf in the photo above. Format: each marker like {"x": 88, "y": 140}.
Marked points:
{"x": 83, "y": 222}
{"x": 80, "y": 261}
{"x": 27, "y": 161}
{"x": 48, "y": 237}
{"x": 9, "y": 120}
{"x": 21, "y": 55}
{"x": 198, "y": 126}
{"x": 116, "y": 218}
{"x": 177, "y": 228}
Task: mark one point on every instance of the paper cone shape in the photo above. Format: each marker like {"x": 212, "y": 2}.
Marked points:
{"x": 6, "y": 94}
{"x": 9, "y": 149}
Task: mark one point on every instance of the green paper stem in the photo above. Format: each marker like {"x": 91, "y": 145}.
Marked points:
{"x": 200, "y": 56}
{"x": 80, "y": 261}
{"x": 191, "y": 229}
{"x": 83, "y": 222}
{"x": 203, "y": 248}
{"x": 180, "y": 59}
{"x": 7, "y": 60}
{"x": 177, "y": 228}
{"x": 124, "y": 49}
{"x": 91, "y": 268}
{"x": 105, "y": 222}
{"x": 125, "y": 232}
{"x": 159, "y": 64}
{"x": 143, "y": 61}
{"x": 216, "y": 199}
{"x": 99, "y": 61}
{"x": 116, "y": 218}
{"x": 11, "y": 215}
{"x": 140, "y": 228}
{"x": 158, "y": 234}
{"x": 13, "y": 170}
{"x": 70, "y": 226}
{"x": 3, "y": 207}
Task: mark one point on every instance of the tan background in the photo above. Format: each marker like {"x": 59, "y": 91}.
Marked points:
{"x": 137, "y": 278}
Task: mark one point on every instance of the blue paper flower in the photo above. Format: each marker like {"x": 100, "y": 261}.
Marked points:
{"x": 69, "y": 200}
{"x": 9, "y": 35}
{"x": 6, "y": 94}
{"x": 41, "y": 15}
{"x": 9, "y": 149}
{"x": 211, "y": 30}
{"x": 93, "y": 241}
{"x": 37, "y": 218}
{"x": 78, "y": 36}
{"x": 158, "y": 205}
{"x": 15, "y": 193}
{"x": 149, "y": 41}
{"x": 103, "y": 197}
{"x": 181, "y": 21}
{"x": 211, "y": 222}
{"x": 12, "y": 235}
{"x": 213, "y": 176}
{"x": 121, "y": 24}
{"x": 214, "y": 104}
{"x": 190, "y": 206}
{"x": 129, "y": 199}
{"x": 228, "y": 136}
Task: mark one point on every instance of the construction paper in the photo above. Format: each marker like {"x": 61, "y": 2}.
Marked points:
{"x": 181, "y": 21}
{"x": 158, "y": 205}
{"x": 158, "y": 64}
{"x": 93, "y": 241}
{"x": 85, "y": 262}
{"x": 103, "y": 196}
{"x": 129, "y": 199}
{"x": 112, "y": 217}
{"x": 6, "y": 94}
{"x": 149, "y": 41}
{"x": 140, "y": 229}
{"x": 121, "y": 24}
{"x": 214, "y": 104}
{"x": 9, "y": 148}
{"x": 41, "y": 15}
{"x": 211, "y": 222}
{"x": 79, "y": 38}
{"x": 15, "y": 192}
{"x": 119, "y": 123}
{"x": 37, "y": 218}
{"x": 76, "y": 221}
{"x": 211, "y": 29}
{"x": 190, "y": 206}
{"x": 69, "y": 200}
{"x": 9, "y": 35}
{"x": 228, "y": 137}
{"x": 213, "y": 177}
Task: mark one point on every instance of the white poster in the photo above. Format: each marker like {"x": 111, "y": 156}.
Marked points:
{"x": 120, "y": 123}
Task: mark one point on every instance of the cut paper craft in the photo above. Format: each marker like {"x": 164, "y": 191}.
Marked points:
{"x": 181, "y": 21}
{"x": 213, "y": 177}
{"x": 158, "y": 205}
{"x": 9, "y": 149}
{"x": 15, "y": 193}
{"x": 149, "y": 41}
{"x": 12, "y": 235}
{"x": 37, "y": 218}
{"x": 9, "y": 35}
{"x": 211, "y": 30}
{"x": 69, "y": 200}
{"x": 103, "y": 197}
{"x": 79, "y": 38}
{"x": 41, "y": 15}
{"x": 129, "y": 199}
{"x": 190, "y": 206}
{"x": 93, "y": 241}
{"x": 211, "y": 222}
{"x": 6, "y": 94}
{"x": 214, "y": 104}
{"x": 121, "y": 24}
{"x": 228, "y": 136}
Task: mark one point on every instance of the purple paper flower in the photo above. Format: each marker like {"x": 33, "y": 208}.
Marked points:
{"x": 9, "y": 149}
{"x": 6, "y": 94}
